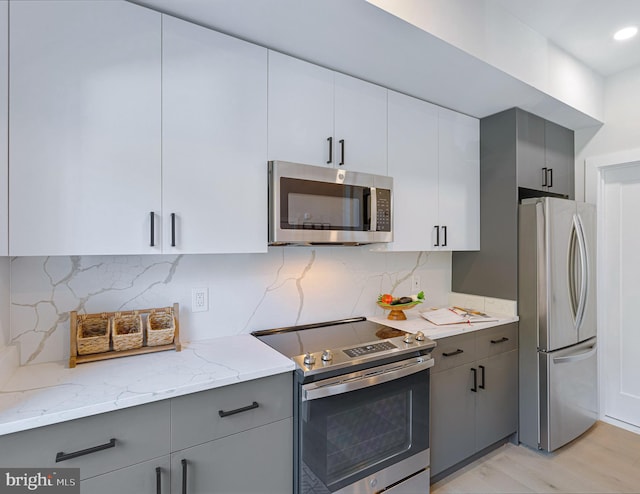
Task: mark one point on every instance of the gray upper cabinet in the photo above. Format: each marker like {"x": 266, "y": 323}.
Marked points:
{"x": 521, "y": 155}
{"x": 544, "y": 155}
{"x": 4, "y": 123}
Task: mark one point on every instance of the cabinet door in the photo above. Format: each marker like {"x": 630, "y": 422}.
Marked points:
{"x": 360, "y": 125}
{"x": 214, "y": 141}
{"x": 4, "y": 122}
{"x": 530, "y": 155}
{"x": 452, "y": 417}
{"x": 497, "y": 398}
{"x": 85, "y": 135}
{"x": 413, "y": 164}
{"x": 559, "y": 158}
{"x": 142, "y": 478}
{"x": 257, "y": 461}
{"x": 459, "y": 181}
{"x": 300, "y": 111}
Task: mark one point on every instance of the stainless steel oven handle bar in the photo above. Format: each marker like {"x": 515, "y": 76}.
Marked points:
{"x": 364, "y": 379}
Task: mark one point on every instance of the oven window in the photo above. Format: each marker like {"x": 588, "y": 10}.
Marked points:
{"x": 348, "y": 436}
{"x": 367, "y": 434}
{"x": 313, "y": 205}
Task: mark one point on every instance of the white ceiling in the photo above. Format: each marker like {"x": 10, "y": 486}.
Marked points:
{"x": 584, "y": 28}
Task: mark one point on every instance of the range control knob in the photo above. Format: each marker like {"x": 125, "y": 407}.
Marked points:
{"x": 420, "y": 336}
{"x": 408, "y": 338}
{"x": 309, "y": 359}
{"x": 327, "y": 356}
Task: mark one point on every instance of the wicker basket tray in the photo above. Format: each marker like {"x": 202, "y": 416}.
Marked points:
{"x": 127, "y": 331}
{"x": 93, "y": 333}
{"x": 161, "y": 327}
{"x": 124, "y": 333}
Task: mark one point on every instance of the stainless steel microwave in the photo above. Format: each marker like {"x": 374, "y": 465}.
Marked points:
{"x": 312, "y": 205}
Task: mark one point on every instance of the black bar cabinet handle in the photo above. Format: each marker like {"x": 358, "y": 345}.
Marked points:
{"x": 152, "y": 243}
{"x": 341, "y": 152}
{"x": 158, "y": 480}
{"x": 501, "y": 340}
{"x": 444, "y": 230}
{"x": 437, "y": 227}
{"x": 184, "y": 476}
{"x": 67, "y": 456}
{"x": 550, "y": 171}
{"x": 173, "y": 229}
{"x": 222, "y": 413}
{"x": 475, "y": 380}
{"x": 481, "y": 376}
{"x": 330, "y": 139}
{"x": 451, "y": 354}
{"x": 544, "y": 176}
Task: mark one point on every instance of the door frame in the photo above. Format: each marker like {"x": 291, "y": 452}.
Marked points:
{"x": 594, "y": 193}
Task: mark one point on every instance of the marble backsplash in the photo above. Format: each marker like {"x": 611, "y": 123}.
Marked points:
{"x": 286, "y": 286}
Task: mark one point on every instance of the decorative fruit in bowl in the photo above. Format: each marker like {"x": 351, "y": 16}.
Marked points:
{"x": 396, "y": 305}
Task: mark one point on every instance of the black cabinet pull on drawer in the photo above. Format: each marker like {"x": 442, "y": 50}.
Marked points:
{"x": 501, "y": 340}
{"x": 67, "y": 456}
{"x": 222, "y": 413}
{"x": 451, "y": 354}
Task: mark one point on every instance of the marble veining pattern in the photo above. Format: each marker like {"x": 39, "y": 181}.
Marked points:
{"x": 286, "y": 286}
{"x": 49, "y": 393}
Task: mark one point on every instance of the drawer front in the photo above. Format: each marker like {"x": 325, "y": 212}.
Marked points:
{"x": 142, "y": 478}
{"x": 454, "y": 351}
{"x": 500, "y": 339}
{"x": 208, "y": 415}
{"x": 141, "y": 433}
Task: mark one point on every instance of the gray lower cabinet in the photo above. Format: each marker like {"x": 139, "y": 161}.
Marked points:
{"x": 234, "y": 439}
{"x": 255, "y": 461}
{"x": 474, "y": 394}
{"x": 146, "y": 477}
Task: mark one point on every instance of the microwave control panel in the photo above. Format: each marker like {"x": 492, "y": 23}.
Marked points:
{"x": 383, "y": 201}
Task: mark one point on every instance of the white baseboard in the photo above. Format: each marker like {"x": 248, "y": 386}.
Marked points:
{"x": 620, "y": 423}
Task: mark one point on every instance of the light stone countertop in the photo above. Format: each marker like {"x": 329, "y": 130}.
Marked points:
{"x": 415, "y": 322}
{"x": 44, "y": 394}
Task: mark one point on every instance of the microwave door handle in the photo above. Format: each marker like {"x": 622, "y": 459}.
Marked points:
{"x": 373, "y": 210}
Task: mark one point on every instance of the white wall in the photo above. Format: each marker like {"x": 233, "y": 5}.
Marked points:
{"x": 621, "y": 130}
{"x": 487, "y": 31}
{"x": 286, "y": 286}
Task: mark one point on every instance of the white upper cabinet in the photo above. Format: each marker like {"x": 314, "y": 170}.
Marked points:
{"x": 360, "y": 133}
{"x": 324, "y": 118}
{"x": 84, "y": 83}
{"x": 300, "y": 111}
{"x": 4, "y": 122}
{"x": 434, "y": 158}
{"x": 458, "y": 181}
{"x": 214, "y": 141}
{"x": 413, "y": 164}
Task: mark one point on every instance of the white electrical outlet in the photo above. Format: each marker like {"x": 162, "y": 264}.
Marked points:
{"x": 415, "y": 284}
{"x": 199, "y": 299}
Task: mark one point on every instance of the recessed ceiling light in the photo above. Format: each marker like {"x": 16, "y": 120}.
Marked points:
{"x": 625, "y": 33}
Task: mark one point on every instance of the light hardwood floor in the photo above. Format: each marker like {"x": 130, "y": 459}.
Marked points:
{"x": 606, "y": 459}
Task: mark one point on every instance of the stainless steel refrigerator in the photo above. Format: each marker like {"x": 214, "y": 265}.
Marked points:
{"x": 557, "y": 309}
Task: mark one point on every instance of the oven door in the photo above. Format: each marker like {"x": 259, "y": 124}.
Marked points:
{"x": 365, "y": 433}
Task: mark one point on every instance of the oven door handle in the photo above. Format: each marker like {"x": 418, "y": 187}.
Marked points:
{"x": 314, "y": 392}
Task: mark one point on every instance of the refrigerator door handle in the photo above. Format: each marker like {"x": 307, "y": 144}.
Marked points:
{"x": 577, "y": 356}
{"x": 584, "y": 268}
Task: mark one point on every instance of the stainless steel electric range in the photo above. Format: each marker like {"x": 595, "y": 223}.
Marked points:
{"x": 361, "y": 410}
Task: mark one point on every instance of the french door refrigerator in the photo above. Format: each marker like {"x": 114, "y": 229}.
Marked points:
{"x": 557, "y": 309}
